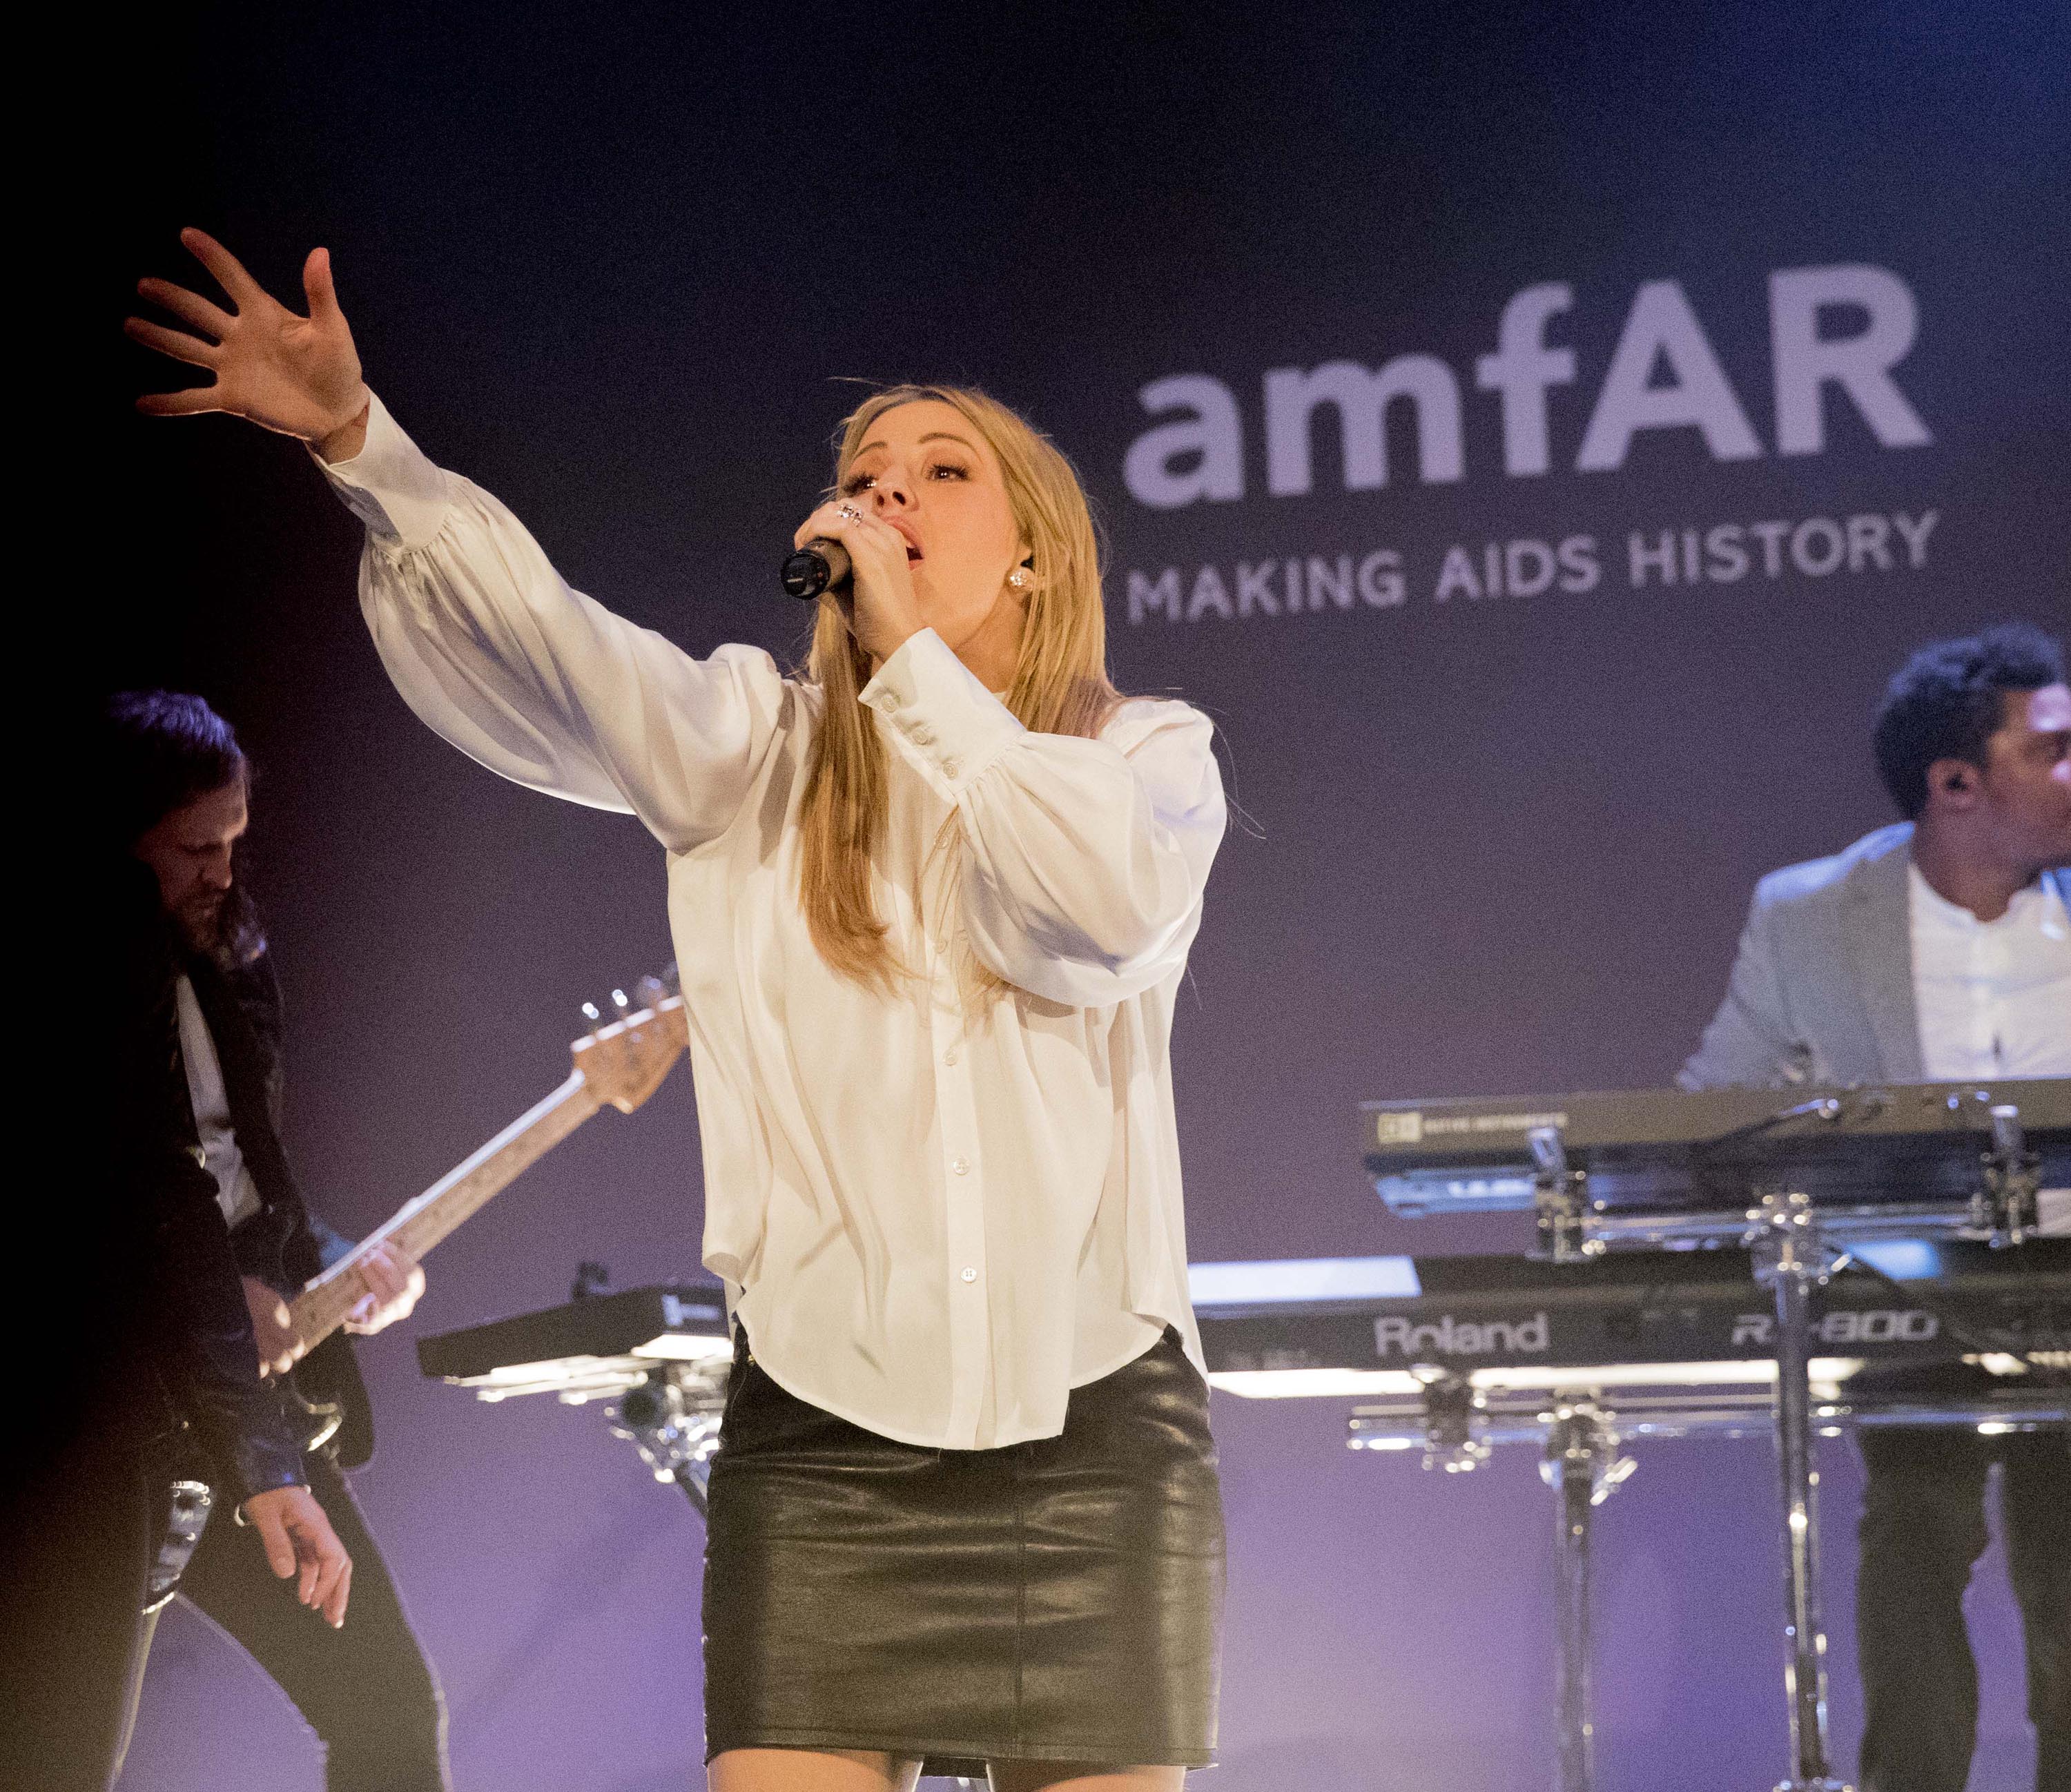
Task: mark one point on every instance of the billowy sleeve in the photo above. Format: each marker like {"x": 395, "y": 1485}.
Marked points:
{"x": 493, "y": 651}
{"x": 1084, "y": 861}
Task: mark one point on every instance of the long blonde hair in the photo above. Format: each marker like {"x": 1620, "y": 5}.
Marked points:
{"x": 1060, "y": 682}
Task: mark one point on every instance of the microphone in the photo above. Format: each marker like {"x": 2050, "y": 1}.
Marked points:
{"x": 821, "y": 565}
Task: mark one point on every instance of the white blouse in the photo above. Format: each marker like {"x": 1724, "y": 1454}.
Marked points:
{"x": 935, "y": 1210}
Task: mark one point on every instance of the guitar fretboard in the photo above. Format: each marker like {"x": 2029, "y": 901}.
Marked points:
{"x": 322, "y": 1307}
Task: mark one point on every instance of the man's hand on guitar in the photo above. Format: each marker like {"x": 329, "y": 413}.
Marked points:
{"x": 300, "y": 1541}
{"x": 394, "y": 1281}
{"x": 280, "y": 1347}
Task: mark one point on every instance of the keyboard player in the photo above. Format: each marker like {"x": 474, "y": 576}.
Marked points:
{"x": 1936, "y": 949}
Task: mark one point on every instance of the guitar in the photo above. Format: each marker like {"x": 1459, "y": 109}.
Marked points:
{"x": 619, "y": 1062}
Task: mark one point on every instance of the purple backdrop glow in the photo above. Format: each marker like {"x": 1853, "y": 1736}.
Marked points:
{"x": 1509, "y": 767}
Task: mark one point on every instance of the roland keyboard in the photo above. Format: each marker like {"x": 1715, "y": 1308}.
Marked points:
{"x": 1452, "y": 1359}
{"x": 1355, "y": 1326}
{"x": 1300, "y": 1326}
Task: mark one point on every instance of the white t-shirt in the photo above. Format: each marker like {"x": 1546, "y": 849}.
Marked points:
{"x": 236, "y": 1191}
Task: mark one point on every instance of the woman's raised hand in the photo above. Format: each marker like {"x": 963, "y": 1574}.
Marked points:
{"x": 297, "y": 375}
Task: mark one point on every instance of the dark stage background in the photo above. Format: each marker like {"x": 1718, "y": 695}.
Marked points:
{"x": 1493, "y": 840}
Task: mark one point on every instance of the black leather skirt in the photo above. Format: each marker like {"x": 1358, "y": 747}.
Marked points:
{"x": 1054, "y": 1601}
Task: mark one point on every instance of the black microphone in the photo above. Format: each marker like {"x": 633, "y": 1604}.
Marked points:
{"x": 821, "y": 565}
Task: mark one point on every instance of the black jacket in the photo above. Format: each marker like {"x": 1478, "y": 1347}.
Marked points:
{"x": 284, "y": 1244}
{"x": 158, "y": 1334}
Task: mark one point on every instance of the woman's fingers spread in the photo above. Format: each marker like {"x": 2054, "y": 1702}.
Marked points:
{"x": 192, "y": 403}
{"x": 228, "y": 270}
{"x": 175, "y": 342}
{"x": 189, "y": 308}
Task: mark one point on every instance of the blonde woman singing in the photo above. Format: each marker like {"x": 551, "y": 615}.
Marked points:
{"x": 932, "y": 901}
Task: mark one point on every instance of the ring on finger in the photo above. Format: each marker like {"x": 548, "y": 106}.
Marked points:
{"x": 848, "y": 513}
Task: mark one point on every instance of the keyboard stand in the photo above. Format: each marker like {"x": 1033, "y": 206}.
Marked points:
{"x": 1583, "y": 1467}
{"x": 1792, "y": 1258}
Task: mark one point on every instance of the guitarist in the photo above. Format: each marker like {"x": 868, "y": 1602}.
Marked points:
{"x": 158, "y": 1359}
{"x": 367, "y": 1690}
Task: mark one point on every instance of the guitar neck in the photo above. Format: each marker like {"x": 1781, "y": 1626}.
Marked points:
{"x": 455, "y": 1198}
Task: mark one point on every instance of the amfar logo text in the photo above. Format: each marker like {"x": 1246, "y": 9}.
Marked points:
{"x": 1198, "y": 454}
{"x": 1451, "y": 1337}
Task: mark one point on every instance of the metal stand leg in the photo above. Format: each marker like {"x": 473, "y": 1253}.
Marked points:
{"x": 672, "y": 1418}
{"x": 1582, "y": 1465}
{"x": 1791, "y": 1257}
